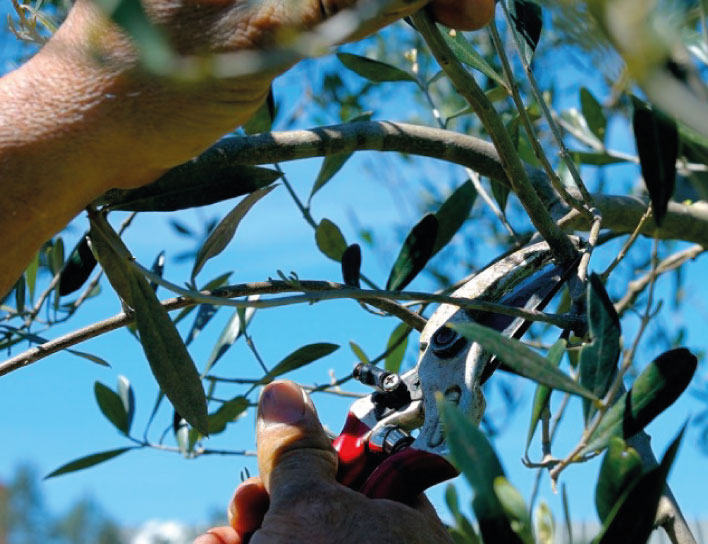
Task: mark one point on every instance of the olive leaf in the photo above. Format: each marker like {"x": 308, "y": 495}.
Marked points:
{"x": 521, "y": 359}
{"x": 467, "y": 54}
{"x": 112, "y": 407}
{"x": 473, "y": 455}
{"x": 453, "y": 213}
{"x": 300, "y": 357}
{"x": 592, "y": 111}
{"x": 527, "y": 20}
{"x": 77, "y": 268}
{"x": 416, "y": 251}
{"x": 226, "y": 229}
{"x": 88, "y": 461}
{"x": 657, "y": 141}
{"x": 542, "y": 395}
{"x": 655, "y": 389}
{"x": 621, "y": 468}
{"x": 374, "y": 70}
{"x": 351, "y": 265}
{"x": 330, "y": 240}
{"x": 397, "y": 343}
{"x": 598, "y": 359}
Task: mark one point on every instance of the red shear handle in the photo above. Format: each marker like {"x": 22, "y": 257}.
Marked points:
{"x": 406, "y": 474}
{"x": 355, "y": 463}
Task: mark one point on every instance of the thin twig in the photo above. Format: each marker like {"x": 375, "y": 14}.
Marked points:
{"x": 627, "y": 245}
{"x": 672, "y": 262}
{"x": 526, "y": 121}
{"x": 565, "y": 155}
{"x": 618, "y": 380}
{"x": 561, "y": 246}
{"x": 220, "y": 297}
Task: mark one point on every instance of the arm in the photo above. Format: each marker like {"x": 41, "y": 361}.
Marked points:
{"x": 80, "y": 117}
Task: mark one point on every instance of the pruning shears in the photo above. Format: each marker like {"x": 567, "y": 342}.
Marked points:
{"x": 378, "y": 454}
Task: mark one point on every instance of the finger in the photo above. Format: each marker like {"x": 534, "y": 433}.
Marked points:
{"x": 219, "y": 535}
{"x": 463, "y": 14}
{"x": 248, "y": 506}
{"x": 293, "y": 449}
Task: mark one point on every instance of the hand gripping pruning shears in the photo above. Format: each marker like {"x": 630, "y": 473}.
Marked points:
{"x": 378, "y": 455}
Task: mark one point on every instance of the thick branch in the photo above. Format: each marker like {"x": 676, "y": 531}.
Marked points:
{"x": 619, "y": 213}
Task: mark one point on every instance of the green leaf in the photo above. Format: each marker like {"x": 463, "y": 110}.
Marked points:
{"x": 473, "y": 455}
{"x": 299, "y": 358}
{"x": 543, "y": 394}
{"x": 204, "y": 315}
{"x": 226, "y": 229}
{"x": 632, "y": 518}
{"x": 515, "y": 509}
{"x": 464, "y": 528}
{"x": 598, "y": 359}
{"x": 330, "y": 166}
{"x": 657, "y": 146}
{"x": 78, "y": 267}
{"x": 31, "y": 275}
{"x": 500, "y": 192}
{"x": 467, "y": 54}
{"x": 158, "y": 268}
{"x": 453, "y": 213}
{"x": 621, "y": 468}
{"x": 231, "y": 332}
{"x": 654, "y": 390}
{"x": 111, "y": 406}
{"x": 57, "y": 258}
{"x": 415, "y": 253}
{"x": 374, "y": 70}
{"x": 209, "y": 178}
{"x": 592, "y": 111}
{"x": 521, "y": 359}
{"x": 356, "y": 349}
{"x": 169, "y": 359}
{"x": 527, "y": 20}
{"x": 125, "y": 392}
{"x": 330, "y": 240}
{"x": 110, "y": 251}
{"x": 262, "y": 120}
{"x": 351, "y": 265}
{"x": 398, "y": 338}
{"x": 596, "y": 159}
{"x": 578, "y": 122}
{"x": 226, "y": 413}
{"x": 20, "y": 294}
{"x": 217, "y": 282}
{"x": 88, "y": 461}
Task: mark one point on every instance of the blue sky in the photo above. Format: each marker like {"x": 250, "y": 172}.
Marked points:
{"x": 50, "y": 415}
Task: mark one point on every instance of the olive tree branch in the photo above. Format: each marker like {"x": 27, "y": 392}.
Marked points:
{"x": 526, "y": 121}
{"x": 561, "y": 246}
{"x": 619, "y": 213}
{"x": 672, "y": 262}
{"x": 315, "y": 291}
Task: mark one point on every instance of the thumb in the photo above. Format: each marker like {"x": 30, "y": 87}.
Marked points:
{"x": 294, "y": 452}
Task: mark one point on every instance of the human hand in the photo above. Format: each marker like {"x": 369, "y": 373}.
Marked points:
{"x": 135, "y": 125}
{"x": 296, "y": 497}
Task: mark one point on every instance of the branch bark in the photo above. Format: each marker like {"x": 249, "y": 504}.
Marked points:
{"x": 314, "y": 291}
{"x": 619, "y": 213}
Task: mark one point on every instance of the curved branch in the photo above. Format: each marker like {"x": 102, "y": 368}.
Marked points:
{"x": 619, "y": 213}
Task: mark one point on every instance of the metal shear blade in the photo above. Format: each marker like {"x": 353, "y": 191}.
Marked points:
{"x": 378, "y": 455}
